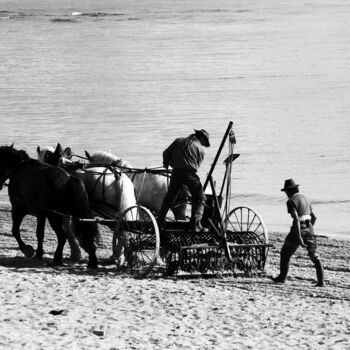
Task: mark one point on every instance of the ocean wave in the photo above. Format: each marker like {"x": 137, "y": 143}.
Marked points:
{"x": 205, "y": 11}
{"x": 258, "y": 196}
{"x": 60, "y": 17}
{"x": 96, "y": 14}
{"x": 10, "y": 14}
{"x": 64, "y": 20}
{"x": 332, "y": 201}
{"x": 264, "y": 197}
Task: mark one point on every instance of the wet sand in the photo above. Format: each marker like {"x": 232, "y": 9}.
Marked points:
{"x": 44, "y": 306}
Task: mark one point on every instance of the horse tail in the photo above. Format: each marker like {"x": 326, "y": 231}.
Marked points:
{"x": 86, "y": 231}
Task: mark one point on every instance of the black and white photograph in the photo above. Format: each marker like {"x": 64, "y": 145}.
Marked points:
{"x": 174, "y": 174}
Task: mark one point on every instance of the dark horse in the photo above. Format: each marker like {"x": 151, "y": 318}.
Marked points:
{"x": 47, "y": 191}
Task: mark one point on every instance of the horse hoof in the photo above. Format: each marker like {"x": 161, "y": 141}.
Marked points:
{"x": 28, "y": 251}
{"x": 38, "y": 257}
{"x": 92, "y": 267}
{"x": 75, "y": 258}
{"x": 57, "y": 262}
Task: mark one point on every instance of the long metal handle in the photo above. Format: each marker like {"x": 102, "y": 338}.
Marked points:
{"x": 217, "y": 155}
{"x": 222, "y": 224}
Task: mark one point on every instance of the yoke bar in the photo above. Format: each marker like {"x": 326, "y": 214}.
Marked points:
{"x": 156, "y": 170}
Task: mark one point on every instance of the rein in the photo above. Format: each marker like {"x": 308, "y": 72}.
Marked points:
{"x": 141, "y": 188}
{"x": 75, "y": 155}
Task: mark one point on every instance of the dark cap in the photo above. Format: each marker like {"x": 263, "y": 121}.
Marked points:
{"x": 289, "y": 184}
{"x": 205, "y": 136}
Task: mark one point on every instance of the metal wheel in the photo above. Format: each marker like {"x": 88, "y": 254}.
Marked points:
{"x": 136, "y": 237}
{"x": 244, "y": 225}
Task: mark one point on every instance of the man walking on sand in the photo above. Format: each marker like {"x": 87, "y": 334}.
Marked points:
{"x": 185, "y": 156}
{"x": 301, "y": 232}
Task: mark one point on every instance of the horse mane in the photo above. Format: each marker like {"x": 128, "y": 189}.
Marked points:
{"x": 102, "y": 157}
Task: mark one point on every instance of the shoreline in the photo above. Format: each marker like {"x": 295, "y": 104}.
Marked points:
{"x": 48, "y": 306}
{"x": 6, "y": 207}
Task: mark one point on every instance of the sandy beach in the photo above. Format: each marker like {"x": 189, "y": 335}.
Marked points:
{"x": 54, "y": 307}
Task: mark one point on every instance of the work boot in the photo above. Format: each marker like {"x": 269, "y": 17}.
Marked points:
{"x": 319, "y": 273}
{"x": 199, "y": 228}
{"x": 162, "y": 215}
{"x": 278, "y": 279}
{"x": 284, "y": 267}
{"x": 196, "y": 217}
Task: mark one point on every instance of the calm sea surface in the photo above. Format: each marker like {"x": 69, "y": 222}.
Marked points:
{"x": 130, "y": 76}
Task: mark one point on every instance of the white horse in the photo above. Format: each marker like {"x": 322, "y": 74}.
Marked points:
{"x": 110, "y": 191}
{"x": 150, "y": 186}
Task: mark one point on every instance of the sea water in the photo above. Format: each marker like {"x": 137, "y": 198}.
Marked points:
{"x": 130, "y": 76}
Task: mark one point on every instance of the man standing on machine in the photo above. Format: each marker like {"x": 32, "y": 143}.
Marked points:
{"x": 185, "y": 156}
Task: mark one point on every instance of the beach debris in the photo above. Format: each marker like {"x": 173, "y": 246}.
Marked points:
{"x": 99, "y": 331}
{"x": 58, "y": 312}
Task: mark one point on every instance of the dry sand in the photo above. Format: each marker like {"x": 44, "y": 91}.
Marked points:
{"x": 48, "y": 307}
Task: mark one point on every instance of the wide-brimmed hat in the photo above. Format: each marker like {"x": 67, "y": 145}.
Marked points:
{"x": 289, "y": 184}
{"x": 205, "y": 135}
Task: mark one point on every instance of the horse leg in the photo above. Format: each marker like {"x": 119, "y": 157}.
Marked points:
{"x": 17, "y": 217}
{"x": 40, "y": 229}
{"x": 56, "y": 224}
{"x": 75, "y": 253}
{"x": 92, "y": 257}
{"x": 119, "y": 252}
{"x": 91, "y": 250}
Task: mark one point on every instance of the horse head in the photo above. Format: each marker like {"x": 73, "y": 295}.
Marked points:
{"x": 10, "y": 158}
{"x": 54, "y": 156}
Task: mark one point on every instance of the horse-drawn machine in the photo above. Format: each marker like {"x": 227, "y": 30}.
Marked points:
{"x": 237, "y": 239}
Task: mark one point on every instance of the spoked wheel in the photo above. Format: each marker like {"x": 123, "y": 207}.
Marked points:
{"x": 136, "y": 236}
{"x": 245, "y": 226}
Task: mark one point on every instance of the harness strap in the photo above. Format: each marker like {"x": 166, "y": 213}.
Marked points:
{"x": 117, "y": 174}
{"x": 96, "y": 182}
{"x": 133, "y": 177}
{"x": 143, "y": 181}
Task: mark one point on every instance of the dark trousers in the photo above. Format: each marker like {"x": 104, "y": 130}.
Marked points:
{"x": 290, "y": 246}
{"x": 178, "y": 178}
